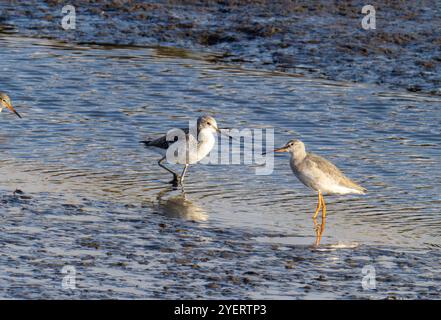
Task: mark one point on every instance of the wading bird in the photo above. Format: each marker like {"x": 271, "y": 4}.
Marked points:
{"x": 190, "y": 149}
{"x": 320, "y": 175}
{"x": 5, "y": 102}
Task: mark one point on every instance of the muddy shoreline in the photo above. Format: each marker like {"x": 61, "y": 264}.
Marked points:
{"x": 186, "y": 260}
{"x": 319, "y": 38}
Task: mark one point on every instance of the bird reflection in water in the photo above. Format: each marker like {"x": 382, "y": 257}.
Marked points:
{"x": 319, "y": 228}
{"x": 179, "y": 206}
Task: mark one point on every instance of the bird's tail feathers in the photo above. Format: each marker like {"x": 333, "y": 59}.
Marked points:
{"x": 146, "y": 142}
{"x": 360, "y": 189}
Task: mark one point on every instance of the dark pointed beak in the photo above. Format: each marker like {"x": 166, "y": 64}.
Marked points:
{"x": 12, "y": 109}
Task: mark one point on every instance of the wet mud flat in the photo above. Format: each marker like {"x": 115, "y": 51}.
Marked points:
{"x": 134, "y": 251}
{"x": 319, "y": 38}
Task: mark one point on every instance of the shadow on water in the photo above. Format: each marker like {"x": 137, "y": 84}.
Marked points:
{"x": 179, "y": 206}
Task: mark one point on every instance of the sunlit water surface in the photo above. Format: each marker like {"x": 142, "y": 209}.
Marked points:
{"x": 95, "y": 199}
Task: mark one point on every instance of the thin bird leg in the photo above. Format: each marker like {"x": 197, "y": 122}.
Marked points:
{"x": 175, "y": 176}
{"x": 317, "y": 227}
{"x": 183, "y": 173}
{"x": 322, "y": 226}
{"x": 319, "y": 206}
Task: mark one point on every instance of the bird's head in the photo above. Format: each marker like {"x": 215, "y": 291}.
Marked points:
{"x": 5, "y": 102}
{"x": 292, "y": 146}
{"x": 207, "y": 122}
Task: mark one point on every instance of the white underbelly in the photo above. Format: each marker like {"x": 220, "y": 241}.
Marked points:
{"x": 189, "y": 154}
{"x": 333, "y": 188}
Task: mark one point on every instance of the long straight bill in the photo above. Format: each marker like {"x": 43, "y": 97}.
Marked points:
{"x": 12, "y": 109}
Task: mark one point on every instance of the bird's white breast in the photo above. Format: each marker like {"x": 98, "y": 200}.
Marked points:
{"x": 190, "y": 152}
{"x": 205, "y": 146}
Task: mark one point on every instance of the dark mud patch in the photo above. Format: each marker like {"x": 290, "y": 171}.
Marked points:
{"x": 141, "y": 254}
{"x": 318, "y": 38}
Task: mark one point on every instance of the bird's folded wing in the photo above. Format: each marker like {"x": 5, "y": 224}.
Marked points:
{"x": 163, "y": 142}
{"x": 332, "y": 172}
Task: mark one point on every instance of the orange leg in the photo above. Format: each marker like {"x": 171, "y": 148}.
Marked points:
{"x": 317, "y": 227}
{"x": 323, "y": 208}
{"x": 320, "y": 228}
{"x": 319, "y": 205}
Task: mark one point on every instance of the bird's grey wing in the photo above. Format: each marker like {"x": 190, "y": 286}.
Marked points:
{"x": 162, "y": 142}
{"x": 327, "y": 167}
{"x": 331, "y": 171}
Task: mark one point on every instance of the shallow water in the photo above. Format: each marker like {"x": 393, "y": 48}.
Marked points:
{"x": 96, "y": 200}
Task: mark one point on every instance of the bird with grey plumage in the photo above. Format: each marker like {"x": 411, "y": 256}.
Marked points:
{"x": 5, "y": 102}
{"x": 320, "y": 175}
{"x": 204, "y": 141}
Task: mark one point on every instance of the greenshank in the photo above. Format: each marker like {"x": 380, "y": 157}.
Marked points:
{"x": 5, "y": 102}
{"x": 320, "y": 175}
{"x": 203, "y": 143}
